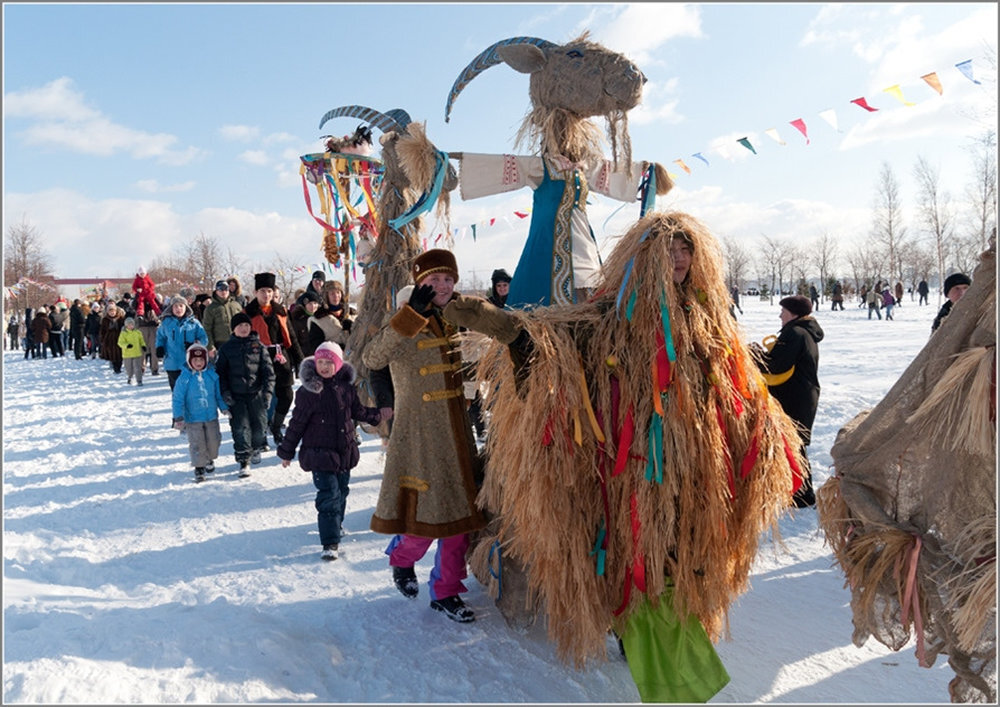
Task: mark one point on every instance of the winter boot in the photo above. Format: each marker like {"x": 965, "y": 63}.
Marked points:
{"x": 199, "y": 474}
{"x": 210, "y": 468}
{"x": 330, "y": 551}
{"x": 255, "y": 457}
{"x": 405, "y": 580}
{"x": 454, "y": 608}
{"x": 244, "y": 470}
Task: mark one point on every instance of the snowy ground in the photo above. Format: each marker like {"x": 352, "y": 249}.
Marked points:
{"x": 124, "y": 582}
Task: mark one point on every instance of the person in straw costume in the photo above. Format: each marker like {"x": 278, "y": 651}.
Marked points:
{"x": 634, "y": 457}
{"x": 911, "y": 512}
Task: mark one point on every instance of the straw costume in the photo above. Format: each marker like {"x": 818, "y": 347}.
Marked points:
{"x": 569, "y": 84}
{"x": 911, "y": 513}
{"x": 634, "y": 458}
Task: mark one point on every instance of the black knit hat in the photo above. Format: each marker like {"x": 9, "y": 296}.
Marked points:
{"x": 239, "y": 318}
{"x": 798, "y": 305}
{"x": 957, "y": 278}
{"x": 310, "y": 296}
{"x": 500, "y": 275}
{"x": 319, "y": 275}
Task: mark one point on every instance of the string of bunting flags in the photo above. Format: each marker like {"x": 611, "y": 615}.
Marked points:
{"x": 22, "y": 284}
{"x": 830, "y": 116}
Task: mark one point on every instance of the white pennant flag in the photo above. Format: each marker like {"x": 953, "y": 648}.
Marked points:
{"x": 831, "y": 117}
{"x": 773, "y": 134}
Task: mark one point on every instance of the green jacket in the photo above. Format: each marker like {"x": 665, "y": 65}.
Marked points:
{"x": 131, "y": 342}
{"x": 216, "y": 320}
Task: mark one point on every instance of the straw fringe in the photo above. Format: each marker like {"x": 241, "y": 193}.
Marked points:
{"x": 972, "y": 591}
{"x": 546, "y": 487}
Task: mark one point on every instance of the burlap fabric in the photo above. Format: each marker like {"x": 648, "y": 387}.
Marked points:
{"x": 911, "y": 511}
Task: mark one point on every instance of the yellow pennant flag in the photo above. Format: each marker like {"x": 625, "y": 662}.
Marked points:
{"x": 897, "y": 93}
{"x": 933, "y": 81}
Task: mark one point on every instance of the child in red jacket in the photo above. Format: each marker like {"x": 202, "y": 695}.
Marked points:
{"x": 145, "y": 292}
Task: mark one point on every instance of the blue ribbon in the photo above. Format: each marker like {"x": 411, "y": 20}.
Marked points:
{"x": 599, "y": 550}
{"x": 427, "y": 199}
{"x": 628, "y": 274}
{"x": 665, "y": 318}
{"x": 496, "y": 546}
{"x": 654, "y": 467}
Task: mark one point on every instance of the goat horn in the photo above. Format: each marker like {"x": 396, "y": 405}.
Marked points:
{"x": 485, "y": 60}
{"x": 382, "y": 121}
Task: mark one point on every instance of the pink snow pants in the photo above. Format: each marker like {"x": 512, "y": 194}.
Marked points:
{"x": 449, "y": 561}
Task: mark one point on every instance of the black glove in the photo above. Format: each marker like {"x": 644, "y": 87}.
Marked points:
{"x": 421, "y": 299}
{"x": 160, "y": 352}
{"x": 346, "y": 325}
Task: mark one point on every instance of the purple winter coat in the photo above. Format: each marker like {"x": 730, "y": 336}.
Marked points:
{"x": 323, "y": 420}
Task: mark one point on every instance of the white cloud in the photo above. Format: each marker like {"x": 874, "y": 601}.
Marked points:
{"x": 257, "y": 157}
{"x": 639, "y": 29}
{"x": 239, "y": 133}
{"x": 60, "y": 120}
{"x": 152, "y": 186}
{"x": 56, "y": 100}
{"x": 108, "y": 237}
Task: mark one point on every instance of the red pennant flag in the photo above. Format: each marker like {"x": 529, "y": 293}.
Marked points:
{"x": 800, "y": 125}
{"x": 864, "y": 104}
{"x": 493, "y": 221}
{"x": 520, "y": 215}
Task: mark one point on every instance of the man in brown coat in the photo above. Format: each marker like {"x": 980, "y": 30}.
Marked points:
{"x": 429, "y": 483}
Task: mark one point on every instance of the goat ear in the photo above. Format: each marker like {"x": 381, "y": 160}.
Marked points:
{"x": 525, "y": 58}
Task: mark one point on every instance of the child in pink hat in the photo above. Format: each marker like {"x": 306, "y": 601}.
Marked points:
{"x": 326, "y": 410}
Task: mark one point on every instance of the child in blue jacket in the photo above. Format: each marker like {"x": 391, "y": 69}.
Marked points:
{"x": 197, "y": 400}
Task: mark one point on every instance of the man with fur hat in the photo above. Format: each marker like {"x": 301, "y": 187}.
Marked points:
{"x": 178, "y": 330}
{"x": 955, "y": 286}
{"x": 246, "y": 379}
{"x": 326, "y": 409}
{"x": 429, "y": 484}
{"x": 790, "y": 367}
{"x": 270, "y": 320}
{"x": 218, "y": 314}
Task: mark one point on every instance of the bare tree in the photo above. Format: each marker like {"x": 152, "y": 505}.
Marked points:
{"x": 738, "y": 262}
{"x": 982, "y": 191}
{"x": 934, "y": 212}
{"x": 867, "y": 262}
{"x": 203, "y": 261}
{"x": 286, "y": 275}
{"x": 918, "y": 263}
{"x": 824, "y": 256}
{"x": 25, "y": 256}
{"x": 768, "y": 263}
{"x": 887, "y": 227}
{"x": 778, "y": 258}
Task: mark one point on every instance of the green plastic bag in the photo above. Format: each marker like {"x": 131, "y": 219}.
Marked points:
{"x": 671, "y": 660}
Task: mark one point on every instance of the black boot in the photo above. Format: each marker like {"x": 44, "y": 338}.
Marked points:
{"x": 405, "y": 580}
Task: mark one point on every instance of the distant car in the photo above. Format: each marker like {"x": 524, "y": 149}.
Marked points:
{"x": 752, "y": 292}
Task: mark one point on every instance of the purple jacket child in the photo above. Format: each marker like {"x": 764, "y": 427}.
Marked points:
{"x": 323, "y": 420}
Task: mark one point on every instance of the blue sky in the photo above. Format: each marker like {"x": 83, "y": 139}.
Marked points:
{"x": 130, "y": 128}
